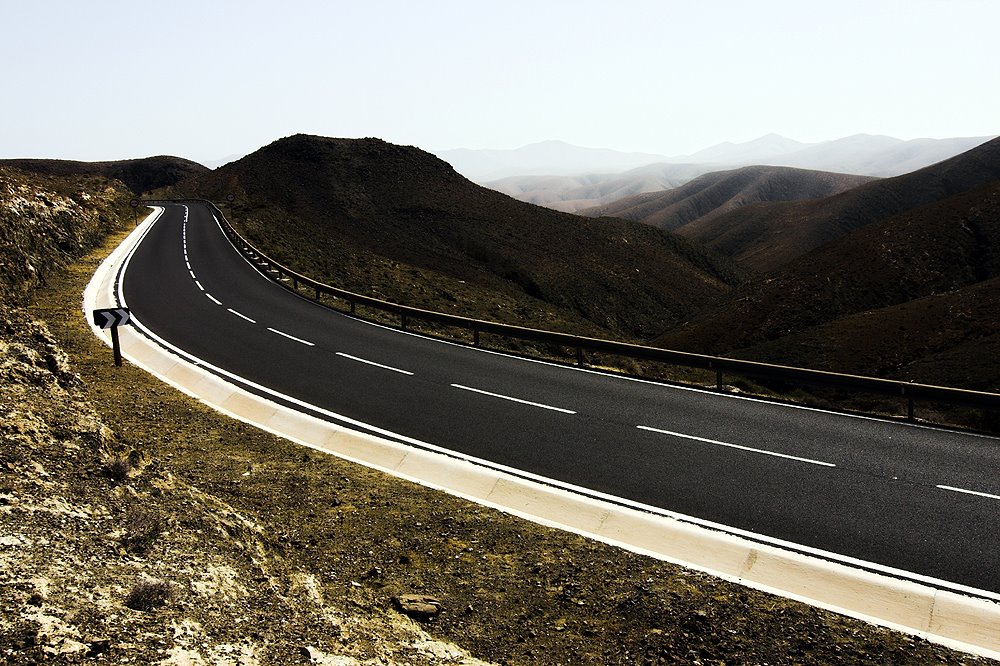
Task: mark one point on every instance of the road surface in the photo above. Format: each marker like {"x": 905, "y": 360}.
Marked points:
{"x": 918, "y": 499}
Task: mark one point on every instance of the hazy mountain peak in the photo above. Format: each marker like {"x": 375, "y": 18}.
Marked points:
{"x": 759, "y": 149}
{"x": 544, "y": 158}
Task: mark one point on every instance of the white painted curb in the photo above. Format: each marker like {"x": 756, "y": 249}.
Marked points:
{"x": 962, "y": 622}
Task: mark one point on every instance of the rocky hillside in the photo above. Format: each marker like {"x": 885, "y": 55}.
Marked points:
{"x": 400, "y": 223}
{"x": 766, "y": 236}
{"x": 139, "y": 175}
{"x": 910, "y": 297}
{"x": 46, "y": 222}
{"x": 720, "y": 192}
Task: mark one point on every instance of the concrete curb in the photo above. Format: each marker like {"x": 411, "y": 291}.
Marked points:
{"x": 962, "y": 622}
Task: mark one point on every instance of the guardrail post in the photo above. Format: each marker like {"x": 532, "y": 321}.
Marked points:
{"x": 909, "y": 408}
{"x": 475, "y": 337}
{"x": 405, "y": 321}
{"x": 718, "y": 379}
{"x": 352, "y": 306}
{"x": 579, "y": 356}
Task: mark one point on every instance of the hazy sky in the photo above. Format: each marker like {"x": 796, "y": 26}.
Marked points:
{"x": 205, "y": 79}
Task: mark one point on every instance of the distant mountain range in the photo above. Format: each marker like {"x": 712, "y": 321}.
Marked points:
{"x": 546, "y": 158}
{"x": 768, "y": 235}
{"x": 862, "y": 154}
{"x": 898, "y": 277}
{"x": 572, "y": 194}
{"x": 569, "y": 178}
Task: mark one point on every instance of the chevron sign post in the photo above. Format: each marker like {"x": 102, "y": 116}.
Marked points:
{"x": 113, "y": 318}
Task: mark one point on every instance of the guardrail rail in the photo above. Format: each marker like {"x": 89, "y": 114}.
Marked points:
{"x": 907, "y": 391}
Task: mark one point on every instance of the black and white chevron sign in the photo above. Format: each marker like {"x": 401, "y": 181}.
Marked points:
{"x": 112, "y": 317}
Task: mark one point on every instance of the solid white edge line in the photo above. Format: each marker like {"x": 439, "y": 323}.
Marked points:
{"x": 291, "y": 337}
{"x": 969, "y": 492}
{"x": 242, "y": 316}
{"x": 213, "y": 298}
{"x": 377, "y": 365}
{"x": 512, "y": 399}
{"x": 922, "y": 631}
{"x": 587, "y": 492}
{"x": 736, "y": 446}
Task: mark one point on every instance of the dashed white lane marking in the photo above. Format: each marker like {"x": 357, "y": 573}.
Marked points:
{"x": 199, "y": 285}
{"x": 193, "y": 276}
{"x": 377, "y": 365}
{"x": 242, "y": 316}
{"x": 291, "y": 337}
{"x": 213, "y": 298}
{"x": 512, "y": 399}
{"x": 736, "y": 446}
{"x": 969, "y": 492}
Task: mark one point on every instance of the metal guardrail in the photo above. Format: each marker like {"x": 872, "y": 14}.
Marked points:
{"x": 907, "y": 391}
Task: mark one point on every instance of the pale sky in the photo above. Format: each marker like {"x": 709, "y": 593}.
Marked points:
{"x": 204, "y": 79}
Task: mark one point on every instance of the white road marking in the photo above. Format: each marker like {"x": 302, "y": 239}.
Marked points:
{"x": 193, "y": 276}
{"x": 291, "y": 337}
{"x": 736, "y": 446}
{"x": 115, "y": 291}
{"x": 213, "y": 298}
{"x": 242, "y": 316}
{"x": 377, "y": 365}
{"x": 199, "y": 285}
{"x": 507, "y": 397}
{"x": 969, "y": 492}
{"x": 187, "y": 263}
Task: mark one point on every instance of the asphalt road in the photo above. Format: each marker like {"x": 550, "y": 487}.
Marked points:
{"x": 917, "y": 499}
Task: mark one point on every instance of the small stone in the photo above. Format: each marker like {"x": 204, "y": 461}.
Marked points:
{"x": 417, "y": 606}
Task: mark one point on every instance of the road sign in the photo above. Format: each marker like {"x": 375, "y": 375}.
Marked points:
{"x": 113, "y": 318}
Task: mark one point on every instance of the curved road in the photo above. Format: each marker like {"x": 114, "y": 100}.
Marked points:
{"x": 913, "y": 498}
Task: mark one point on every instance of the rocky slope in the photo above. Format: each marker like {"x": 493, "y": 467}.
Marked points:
{"x": 894, "y": 298}
{"x": 45, "y": 222}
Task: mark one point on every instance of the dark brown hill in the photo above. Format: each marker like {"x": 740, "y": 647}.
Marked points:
{"x": 950, "y": 339}
{"x": 400, "y": 223}
{"x": 766, "y": 236}
{"x": 719, "y": 192}
{"x": 820, "y": 310}
{"x": 139, "y": 175}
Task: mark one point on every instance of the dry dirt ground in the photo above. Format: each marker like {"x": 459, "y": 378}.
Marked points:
{"x": 139, "y": 526}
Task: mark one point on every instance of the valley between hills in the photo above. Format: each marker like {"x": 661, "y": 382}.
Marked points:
{"x": 140, "y": 526}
